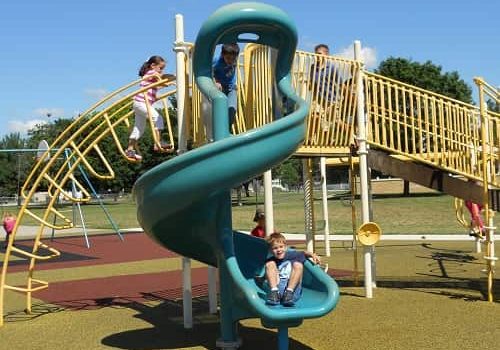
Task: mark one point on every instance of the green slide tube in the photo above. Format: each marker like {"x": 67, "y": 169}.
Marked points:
{"x": 184, "y": 204}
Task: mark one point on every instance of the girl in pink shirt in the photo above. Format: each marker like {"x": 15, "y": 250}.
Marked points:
{"x": 150, "y": 71}
{"x": 9, "y": 221}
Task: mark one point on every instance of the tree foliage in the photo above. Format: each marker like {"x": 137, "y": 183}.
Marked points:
{"x": 427, "y": 76}
{"x": 290, "y": 172}
{"x": 15, "y": 166}
{"x": 493, "y": 105}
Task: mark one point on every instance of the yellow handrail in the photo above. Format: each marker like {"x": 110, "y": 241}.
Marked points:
{"x": 54, "y": 252}
{"x": 81, "y": 138}
{"x": 490, "y": 148}
{"x": 436, "y": 130}
{"x": 44, "y": 222}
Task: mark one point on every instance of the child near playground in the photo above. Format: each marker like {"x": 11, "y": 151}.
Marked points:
{"x": 284, "y": 271}
{"x": 9, "y": 221}
{"x": 329, "y": 88}
{"x": 150, "y": 71}
{"x": 224, "y": 73}
{"x": 477, "y": 224}
{"x": 260, "y": 229}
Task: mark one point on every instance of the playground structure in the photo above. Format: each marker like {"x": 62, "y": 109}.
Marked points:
{"x": 55, "y": 174}
{"x": 412, "y": 133}
{"x": 202, "y": 212}
{"x": 43, "y": 155}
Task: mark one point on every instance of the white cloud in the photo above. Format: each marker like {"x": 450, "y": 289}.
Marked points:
{"x": 368, "y": 54}
{"x": 46, "y": 112}
{"x": 96, "y": 93}
{"x": 24, "y": 126}
{"x": 41, "y": 117}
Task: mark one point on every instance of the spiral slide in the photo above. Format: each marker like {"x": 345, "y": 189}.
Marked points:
{"x": 184, "y": 204}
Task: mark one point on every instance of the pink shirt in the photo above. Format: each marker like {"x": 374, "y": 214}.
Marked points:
{"x": 151, "y": 93}
{"x": 9, "y": 223}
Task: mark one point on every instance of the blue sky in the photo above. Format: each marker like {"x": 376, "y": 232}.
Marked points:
{"x": 60, "y": 57}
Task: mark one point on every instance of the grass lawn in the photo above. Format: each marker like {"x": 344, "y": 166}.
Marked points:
{"x": 420, "y": 213}
{"x": 425, "y": 213}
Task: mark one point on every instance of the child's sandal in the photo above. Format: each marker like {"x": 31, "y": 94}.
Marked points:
{"x": 133, "y": 155}
{"x": 165, "y": 148}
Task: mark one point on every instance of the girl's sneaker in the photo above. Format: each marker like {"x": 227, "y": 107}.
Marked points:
{"x": 132, "y": 154}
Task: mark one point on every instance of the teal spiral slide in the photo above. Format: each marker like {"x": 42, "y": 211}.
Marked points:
{"x": 185, "y": 204}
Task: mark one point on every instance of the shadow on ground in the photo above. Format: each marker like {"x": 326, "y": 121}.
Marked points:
{"x": 446, "y": 272}
{"x": 167, "y": 331}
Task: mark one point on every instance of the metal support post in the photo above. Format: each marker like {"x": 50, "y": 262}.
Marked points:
{"x": 363, "y": 168}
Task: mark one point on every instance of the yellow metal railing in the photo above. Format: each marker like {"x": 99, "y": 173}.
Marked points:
{"x": 55, "y": 173}
{"x": 198, "y": 108}
{"x": 327, "y": 82}
{"x": 429, "y": 127}
{"x": 258, "y": 87}
{"x": 490, "y": 149}
{"x": 402, "y": 119}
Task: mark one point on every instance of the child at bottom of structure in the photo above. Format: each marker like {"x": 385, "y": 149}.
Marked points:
{"x": 477, "y": 224}
{"x": 284, "y": 271}
{"x": 9, "y": 221}
{"x": 260, "y": 229}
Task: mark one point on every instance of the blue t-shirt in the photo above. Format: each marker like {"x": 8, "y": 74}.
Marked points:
{"x": 285, "y": 265}
{"x": 224, "y": 74}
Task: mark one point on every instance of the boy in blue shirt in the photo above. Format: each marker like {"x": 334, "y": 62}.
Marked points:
{"x": 284, "y": 271}
{"x": 224, "y": 72}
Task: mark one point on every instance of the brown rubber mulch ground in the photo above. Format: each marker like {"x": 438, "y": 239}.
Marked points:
{"x": 105, "y": 249}
{"x": 98, "y": 292}
{"x": 108, "y": 249}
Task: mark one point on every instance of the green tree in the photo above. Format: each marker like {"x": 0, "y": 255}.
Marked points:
{"x": 290, "y": 172}
{"x": 493, "y": 105}
{"x": 13, "y": 165}
{"x": 48, "y": 132}
{"x": 427, "y": 76}
{"x": 125, "y": 172}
